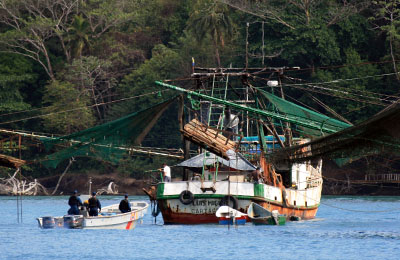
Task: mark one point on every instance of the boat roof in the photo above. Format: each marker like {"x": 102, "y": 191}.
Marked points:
{"x": 236, "y": 161}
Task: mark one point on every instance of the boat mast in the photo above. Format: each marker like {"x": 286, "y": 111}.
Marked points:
{"x": 287, "y": 130}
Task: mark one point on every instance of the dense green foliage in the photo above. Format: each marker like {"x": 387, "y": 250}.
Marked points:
{"x": 68, "y": 65}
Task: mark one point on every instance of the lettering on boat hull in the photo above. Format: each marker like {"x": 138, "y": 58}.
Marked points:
{"x": 202, "y": 211}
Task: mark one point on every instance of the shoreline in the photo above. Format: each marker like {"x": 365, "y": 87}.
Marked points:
{"x": 132, "y": 186}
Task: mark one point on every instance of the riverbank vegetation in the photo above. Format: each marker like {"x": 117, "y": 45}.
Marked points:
{"x": 67, "y": 65}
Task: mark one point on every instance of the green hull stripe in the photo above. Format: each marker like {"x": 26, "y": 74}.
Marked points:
{"x": 259, "y": 190}
{"x": 160, "y": 190}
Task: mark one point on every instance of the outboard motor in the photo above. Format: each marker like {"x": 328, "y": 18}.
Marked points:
{"x": 83, "y": 211}
{"x": 73, "y": 221}
{"x": 48, "y": 222}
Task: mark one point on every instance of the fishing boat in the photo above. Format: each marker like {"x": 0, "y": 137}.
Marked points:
{"x": 109, "y": 218}
{"x": 229, "y": 216}
{"x": 220, "y": 175}
{"x": 196, "y": 201}
{"x": 259, "y": 215}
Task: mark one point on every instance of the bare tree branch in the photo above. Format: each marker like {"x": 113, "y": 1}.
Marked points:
{"x": 63, "y": 174}
{"x": 302, "y": 10}
{"x": 261, "y": 9}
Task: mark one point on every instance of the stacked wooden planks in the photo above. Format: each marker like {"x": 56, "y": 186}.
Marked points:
{"x": 10, "y": 162}
{"x": 208, "y": 138}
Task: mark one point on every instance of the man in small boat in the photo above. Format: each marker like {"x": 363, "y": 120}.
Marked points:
{"x": 94, "y": 205}
{"x": 256, "y": 176}
{"x": 74, "y": 202}
{"x": 124, "y": 205}
{"x": 166, "y": 172}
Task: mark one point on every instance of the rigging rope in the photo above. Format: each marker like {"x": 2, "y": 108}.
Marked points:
{"x": 346, "y": 91}
{"x": 352, "y": 210}
{"x": 362, "y": 211}
{"x": 75, "y": 109}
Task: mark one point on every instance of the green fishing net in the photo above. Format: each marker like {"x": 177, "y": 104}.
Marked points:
{"x": 305, "y": 115}
{"x": 105, "y": 141}
{"x": 378, "y": 135}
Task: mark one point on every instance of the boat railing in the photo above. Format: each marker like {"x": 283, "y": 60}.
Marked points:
{"x": 383, "y": 177}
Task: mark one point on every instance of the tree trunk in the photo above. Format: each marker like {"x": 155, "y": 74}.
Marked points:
{"x": 217, "y": 52}
{"x": 393, "y": 58}
{"x": 62, "y": 175}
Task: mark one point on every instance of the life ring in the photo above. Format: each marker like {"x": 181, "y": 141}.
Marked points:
{"x": 186, "y": 197}
{"x": 225, "y": 201}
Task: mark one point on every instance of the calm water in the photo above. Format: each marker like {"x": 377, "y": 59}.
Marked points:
{"x": 371, "y": 231}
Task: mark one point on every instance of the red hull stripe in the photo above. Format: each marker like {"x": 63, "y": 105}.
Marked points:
{"x": 129, "y": 225}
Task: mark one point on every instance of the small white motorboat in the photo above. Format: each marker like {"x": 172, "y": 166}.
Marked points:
{"x": 110, "y": 217}
{"x": 229, "y": 216}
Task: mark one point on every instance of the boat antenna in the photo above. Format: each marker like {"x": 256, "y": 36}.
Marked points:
{"x": 287, "y": 131}
{"x": 247, "y": 45}
{"x": 90, "y": 185}
{"x": 19, "y": 198}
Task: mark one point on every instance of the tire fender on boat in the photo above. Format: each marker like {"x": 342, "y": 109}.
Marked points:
{"x": 186, "y": 197}
{"x": 225, "y": 201}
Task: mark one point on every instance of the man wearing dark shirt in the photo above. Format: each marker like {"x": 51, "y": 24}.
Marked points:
{"x": 94, "y": 205}
{"x": 74, "y": 202}
{"x": 124, "y": 205}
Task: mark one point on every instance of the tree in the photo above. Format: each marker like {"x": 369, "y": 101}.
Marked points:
{"x": 66, "y": 110}
{"x": 292, "y": 13}
{"x": 300, "y": 32}
{"x": 351, "y": 95}
{"x": 78, "y": 35}
{"x": 33, "y": 25}
{"x": 104, "y": 15}
{"x": 91, "y": 78}
{"x": 211, "y": 18}
{"x": 15, "y": 75}
{"x": 386, "y": 18}
{"x": 165, "y": 63}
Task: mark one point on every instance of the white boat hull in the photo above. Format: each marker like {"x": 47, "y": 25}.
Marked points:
{"x": 109, "y": 218}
